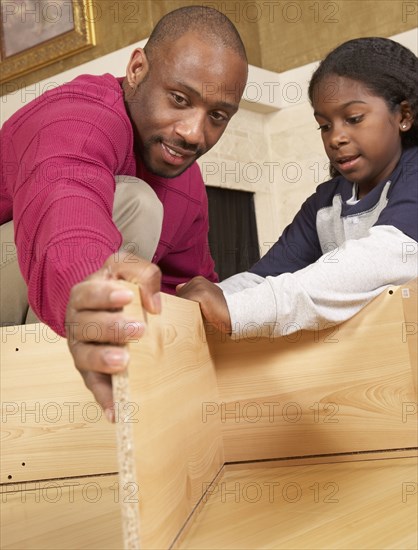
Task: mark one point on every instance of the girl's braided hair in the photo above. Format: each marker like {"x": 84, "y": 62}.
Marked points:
{"x": 385, "y": 67}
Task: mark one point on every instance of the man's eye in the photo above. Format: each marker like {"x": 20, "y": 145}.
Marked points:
{"x": 219, "y": 117}
{"x": 180, "y": 100}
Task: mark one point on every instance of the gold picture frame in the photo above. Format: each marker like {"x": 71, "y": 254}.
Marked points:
{"x": 72, "y": 32}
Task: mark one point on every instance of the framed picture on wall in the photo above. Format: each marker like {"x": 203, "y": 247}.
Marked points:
{"x": 35, "y": 33}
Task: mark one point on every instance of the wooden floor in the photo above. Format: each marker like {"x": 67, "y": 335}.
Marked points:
{"x": 361, "y": 505}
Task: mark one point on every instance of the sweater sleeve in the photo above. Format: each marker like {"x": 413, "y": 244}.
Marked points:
{"x": 199, "y": 244}
{"x": 189, "y": 253}
{"x": 329, "y": 291}
{"x": 297, "y": 247}
{"x": 69, "y": 151}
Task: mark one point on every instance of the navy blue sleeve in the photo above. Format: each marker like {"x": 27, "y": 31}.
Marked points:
{"x": 402, "y": 208}
{"x": 298, "y": 246}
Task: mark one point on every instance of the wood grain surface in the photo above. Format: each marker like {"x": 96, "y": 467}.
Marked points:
{"x": 51, "y": 426}
{"x": 410, "y": 326}
{"x": 62, "y": 514}
{"x": 194, "y": 402}
{"x": 348, "y": 388}
{"x": 368, "y": 504}
{"x": 177, "y": 451}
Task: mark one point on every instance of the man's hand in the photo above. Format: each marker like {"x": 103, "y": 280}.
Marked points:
{"x": 211, "y": 299}
{"x": 97, "y": 327}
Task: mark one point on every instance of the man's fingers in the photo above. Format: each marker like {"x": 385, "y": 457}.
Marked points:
{"x": 103, "y": 327}
{"x": 142, "y": 273}
{"x": 101, "y": 386}
{"x": 100, "y": 294}
{"x": 96, "y": 365}
{"x": 99, "y": 358}
{"x": 97, "y": 326}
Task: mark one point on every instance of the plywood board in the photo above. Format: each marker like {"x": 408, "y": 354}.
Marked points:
{"x": 333, "y": 392}
{"x": 344, "y": 389}
{"x": 410, "y": 326}
{"x": 50, "y": 424}
{"x": 360, "y": 505}
{"x": 80, "y": 512}
{"x": 341, "y": 390}
{"x": 176, "y": 452}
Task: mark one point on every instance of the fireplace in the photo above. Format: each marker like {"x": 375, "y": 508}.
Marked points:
{"x": 233, "y": 238}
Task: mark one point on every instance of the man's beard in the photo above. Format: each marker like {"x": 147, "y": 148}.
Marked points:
{"x": 144, "y": 151}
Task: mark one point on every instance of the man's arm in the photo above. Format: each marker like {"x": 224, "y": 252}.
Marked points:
{"x": 98, "y": 302}
{"x": 66, "y": 148}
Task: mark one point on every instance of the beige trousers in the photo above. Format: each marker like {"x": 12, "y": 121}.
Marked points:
{"x": 137, "y": 213}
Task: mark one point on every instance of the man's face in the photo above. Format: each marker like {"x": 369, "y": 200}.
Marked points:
{"x": 182, "y": 101}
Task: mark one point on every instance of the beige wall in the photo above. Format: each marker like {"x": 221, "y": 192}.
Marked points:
{"x": 277, "y": 155}
{"x": 278, "y": 34}
{"x": 242, "y": 160}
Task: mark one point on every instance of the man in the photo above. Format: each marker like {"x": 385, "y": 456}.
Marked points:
{"x": 61, "y": 155}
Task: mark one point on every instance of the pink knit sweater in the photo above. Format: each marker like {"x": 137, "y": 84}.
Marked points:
{"x": 59, "y": 156}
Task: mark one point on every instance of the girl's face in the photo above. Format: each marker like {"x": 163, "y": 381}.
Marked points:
{"x": 361, "y": 135}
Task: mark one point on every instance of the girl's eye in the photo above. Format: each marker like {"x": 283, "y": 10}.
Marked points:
{"x": 323, "y": 127}
{"x": 355, "y": 119}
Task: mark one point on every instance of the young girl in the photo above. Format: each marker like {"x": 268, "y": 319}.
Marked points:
{"x": 358, "y": 232}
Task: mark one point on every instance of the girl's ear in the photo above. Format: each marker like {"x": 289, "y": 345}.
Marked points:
{"x": 407, "y": 117}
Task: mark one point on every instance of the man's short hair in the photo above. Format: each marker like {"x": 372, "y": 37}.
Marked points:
{"x": 208, "y": 22}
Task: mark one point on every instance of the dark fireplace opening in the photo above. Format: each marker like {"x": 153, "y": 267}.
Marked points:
{"x": 233, "y": 238}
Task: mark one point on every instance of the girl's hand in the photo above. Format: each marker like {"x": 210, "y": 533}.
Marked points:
{"x": 211, "y": 299}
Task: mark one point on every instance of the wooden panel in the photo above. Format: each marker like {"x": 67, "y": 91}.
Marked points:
{"x": 352, "y": 505}
{"x": 338, "y": 390}
{"x": 176, "y": 452}
{"x": 410, "y": 326}
{"x": 358, "y": 374}
{"x": 61, "y": 514}
{"x": 50, "y": 424}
